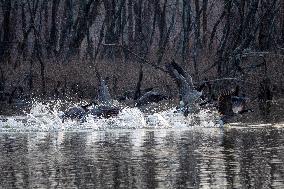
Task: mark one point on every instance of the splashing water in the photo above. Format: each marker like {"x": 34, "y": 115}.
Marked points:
{"x": 45, "y": 117}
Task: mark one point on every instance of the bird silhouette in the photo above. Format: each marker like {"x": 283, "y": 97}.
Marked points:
{"x": 104, "y": 106}
{"x": 76, "y": 113}
{"x": 230, "y": 103}
{"x": 146, "y": 96}
{"x": 188, "y": 95}
{"x": 149, "y": 97}
{"x": 104, "y": 96}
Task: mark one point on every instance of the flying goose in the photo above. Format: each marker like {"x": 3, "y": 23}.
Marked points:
{"x": 230, "y": 103}
{"x": 104, "y": 107}
{"x": 188, "y": 95}
{"x": 104, "y": 95}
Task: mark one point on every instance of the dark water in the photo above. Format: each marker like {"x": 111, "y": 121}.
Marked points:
{"x": 194, "y": 158}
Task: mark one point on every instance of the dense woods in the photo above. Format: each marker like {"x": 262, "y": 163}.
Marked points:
{"x": 53, "y": 47}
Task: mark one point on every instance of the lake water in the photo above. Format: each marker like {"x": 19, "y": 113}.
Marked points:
{"x": 136, "y": 151}
{"x": 193, "y": 158}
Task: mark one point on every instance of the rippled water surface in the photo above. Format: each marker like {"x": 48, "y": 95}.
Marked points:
{"x": 165, "y": 158}
{"x": 138, "y": 150}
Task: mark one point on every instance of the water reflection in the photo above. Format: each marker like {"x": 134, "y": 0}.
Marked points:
{"x": 196, "y": 158}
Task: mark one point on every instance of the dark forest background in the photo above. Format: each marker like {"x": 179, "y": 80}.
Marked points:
{"x": 53, "y": 47}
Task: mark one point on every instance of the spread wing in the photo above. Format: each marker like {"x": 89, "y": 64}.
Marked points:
{"x": 104, "y": 95}
{"x": 148, "y": 97}
{"x": 174, "y": 66}
{"x": 184, "y": 82}
{"x": 225, "y": 103}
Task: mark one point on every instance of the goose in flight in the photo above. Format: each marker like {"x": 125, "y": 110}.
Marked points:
{"x": 104, "y": 107}
{"x": 104, "y": 95}
{"x": 230, "y": 103}
{"x": 188, "y": 95}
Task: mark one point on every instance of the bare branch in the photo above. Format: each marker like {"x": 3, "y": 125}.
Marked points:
{"x": 137, "y": 56}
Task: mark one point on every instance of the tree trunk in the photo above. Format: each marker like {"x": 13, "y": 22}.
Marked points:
{"x": 138, "y": 36}
{"x": 186, "y": 25}
{"x": 6, "y": 29}
{"x": 130, "y": 23}
{"x": 264, "y": 30}
{"x": 66, "y": 26}
{"x": 87, "y": 15}
{"x": 113, "y": 22}
{"x": 204, "y": 22}
{"x": 282, "y": 23}
{"x": 53, "y": 30}
{"x": 197, "y": 40}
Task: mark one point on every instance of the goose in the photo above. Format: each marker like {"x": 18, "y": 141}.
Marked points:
{"x": 208, "y": 95}
{"x": 230, "y": 103}
{"x": 133, "y": 95}
{"x": 225, "y": 105}
{"x": 149, "y": 97}
{"x": 188, "y": 95}
{"x": 77, "y": 113}
{"x": 104, "y": 96}
{"x": 105, "y": 111}
{"x": 105, "y": 105}
{"x": 239, "y": 104}
{"x": 146, "y": 96}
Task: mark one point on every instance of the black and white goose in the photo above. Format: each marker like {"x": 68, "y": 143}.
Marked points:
{"x": 188, "y": 95}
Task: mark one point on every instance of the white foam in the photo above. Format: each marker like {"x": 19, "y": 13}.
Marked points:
{"x": 45, "y": 117}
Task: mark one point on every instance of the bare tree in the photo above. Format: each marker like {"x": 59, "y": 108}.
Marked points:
{"x": 6, "y": 30}
{"x": 186, "y": 24}
{"x": 53, "y": 37}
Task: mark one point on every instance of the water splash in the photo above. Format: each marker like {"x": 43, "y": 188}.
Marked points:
{"x": 45, "y": 117}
